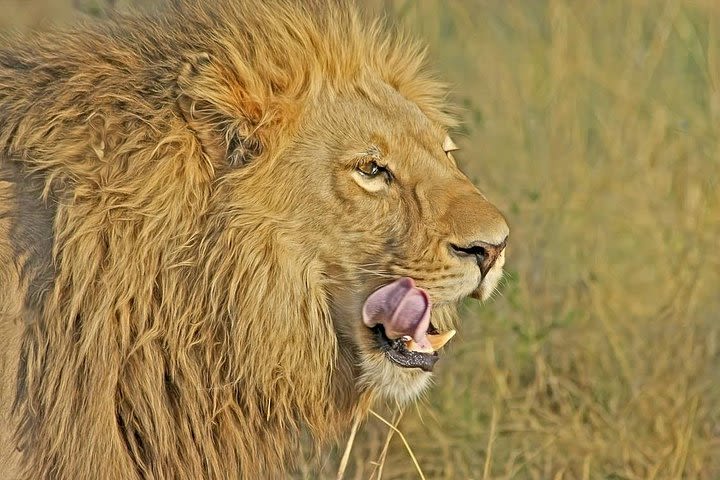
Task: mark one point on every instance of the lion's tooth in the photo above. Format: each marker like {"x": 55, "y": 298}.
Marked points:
{"x": 440, "y": 339}
{"x": 412, "y": 345}
{"x": 436, "y": 341}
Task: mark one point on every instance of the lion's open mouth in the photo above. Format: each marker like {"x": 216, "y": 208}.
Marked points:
{"x": 399, "y": 315}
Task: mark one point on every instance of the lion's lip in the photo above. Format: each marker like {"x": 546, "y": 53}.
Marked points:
{"x": 399, "y": 314}
{"x": 397, "y": 352}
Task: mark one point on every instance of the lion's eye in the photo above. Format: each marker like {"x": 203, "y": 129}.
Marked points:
{"x": 372, "y": 169}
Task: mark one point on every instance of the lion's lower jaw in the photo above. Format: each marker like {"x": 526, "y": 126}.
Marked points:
{"x": 392, "y": 382}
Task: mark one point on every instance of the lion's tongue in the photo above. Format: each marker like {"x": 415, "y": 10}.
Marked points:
{"x": 402, "y": 309}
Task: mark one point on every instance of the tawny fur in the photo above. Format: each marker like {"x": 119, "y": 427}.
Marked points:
{"x": 183, "y": 324}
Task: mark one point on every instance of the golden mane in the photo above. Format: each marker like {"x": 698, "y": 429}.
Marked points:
{"x": 154, "y": 345}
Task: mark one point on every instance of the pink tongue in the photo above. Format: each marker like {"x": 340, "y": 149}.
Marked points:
{"x": 401, "y": 308}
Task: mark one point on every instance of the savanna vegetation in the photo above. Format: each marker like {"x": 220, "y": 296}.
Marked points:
{"x": 595, "y": 125}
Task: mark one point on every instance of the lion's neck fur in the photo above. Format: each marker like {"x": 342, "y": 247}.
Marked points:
{"x": 187, "y": 367}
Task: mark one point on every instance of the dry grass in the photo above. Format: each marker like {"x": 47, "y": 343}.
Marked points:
{"x": 595, "y": 125}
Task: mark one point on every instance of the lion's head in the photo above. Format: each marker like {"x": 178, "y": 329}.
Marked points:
{"x": 258, "y": 226}
{"x": 381, "y": 202}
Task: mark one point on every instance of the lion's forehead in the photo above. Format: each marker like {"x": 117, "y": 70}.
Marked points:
{"x": 386, "y": 121}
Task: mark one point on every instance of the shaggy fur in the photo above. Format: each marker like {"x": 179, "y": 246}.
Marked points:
{"x": 182, "y": 263}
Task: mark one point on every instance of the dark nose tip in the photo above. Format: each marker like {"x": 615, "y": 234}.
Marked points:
{"x": 485, "y": 253}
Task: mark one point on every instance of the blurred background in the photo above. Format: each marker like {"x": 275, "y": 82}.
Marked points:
{"x": 595, "y": 126}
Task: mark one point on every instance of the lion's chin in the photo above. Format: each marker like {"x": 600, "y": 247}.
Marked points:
{"x": 391, "y": 382}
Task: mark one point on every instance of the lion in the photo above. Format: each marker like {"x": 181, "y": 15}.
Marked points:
{"x": 225, "y": 227}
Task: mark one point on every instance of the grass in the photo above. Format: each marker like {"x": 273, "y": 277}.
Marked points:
{"x": 595, "y": 125}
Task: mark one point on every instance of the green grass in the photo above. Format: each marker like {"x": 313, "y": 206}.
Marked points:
{"x": 595, "y": 126}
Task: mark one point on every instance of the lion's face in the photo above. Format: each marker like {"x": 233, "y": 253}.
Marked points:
{"x": 376, "y": 182}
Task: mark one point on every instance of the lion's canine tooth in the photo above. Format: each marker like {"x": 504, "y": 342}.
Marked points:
{"x": 414, "y": 347}
{"x": 440, "y": 339}
{"x": 437, "y": 341}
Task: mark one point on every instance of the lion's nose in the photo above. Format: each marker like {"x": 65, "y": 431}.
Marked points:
{"x": 485, "y": 253}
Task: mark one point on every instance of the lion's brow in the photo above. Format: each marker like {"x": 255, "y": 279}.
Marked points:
{"x": 373, "y": 151}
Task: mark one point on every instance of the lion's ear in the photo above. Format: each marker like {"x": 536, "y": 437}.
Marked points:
{"x": 213, "y": 108}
